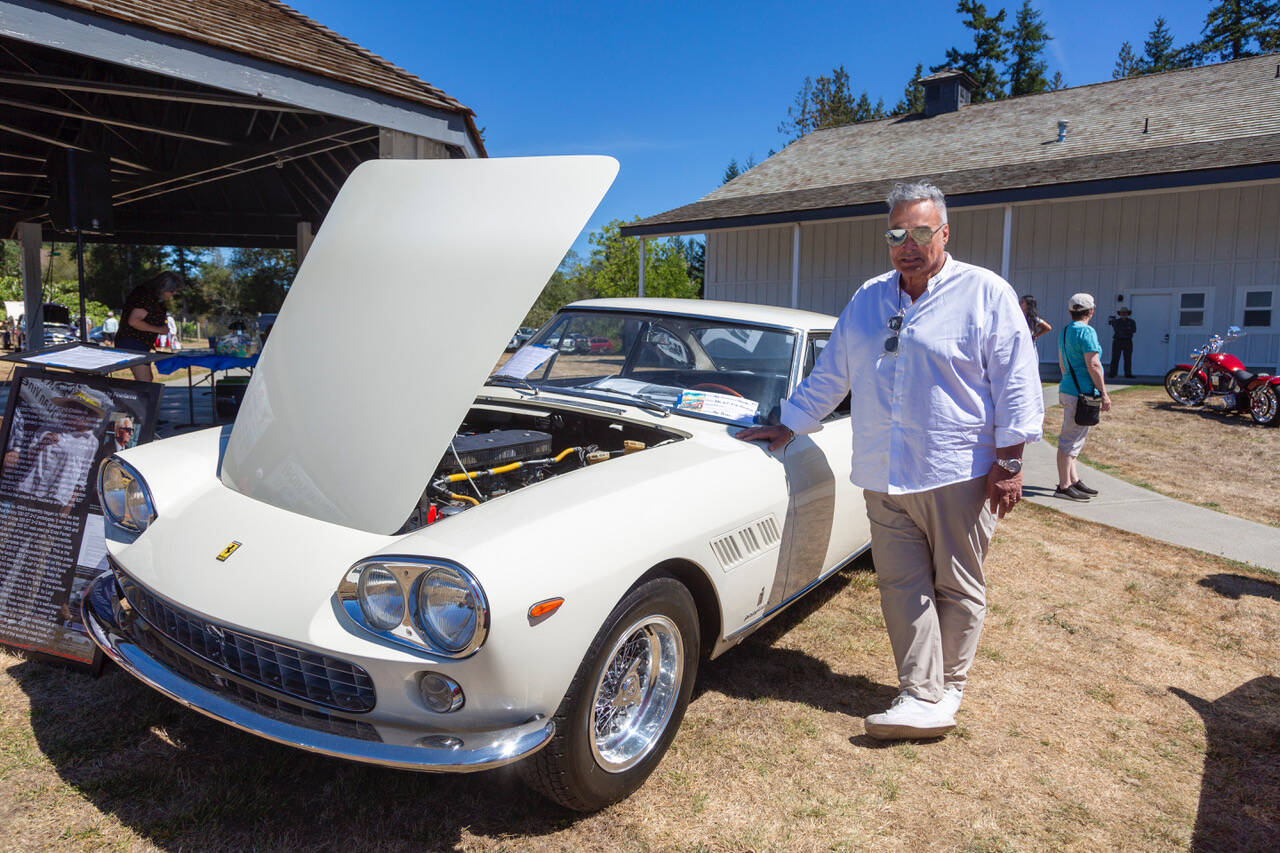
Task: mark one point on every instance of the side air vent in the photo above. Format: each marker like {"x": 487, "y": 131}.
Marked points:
{"x": 734, "y": 549}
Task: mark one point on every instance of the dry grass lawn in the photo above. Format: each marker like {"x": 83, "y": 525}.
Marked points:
{"x": 1125, "y": 697}
{"x": 1223, "y": 462}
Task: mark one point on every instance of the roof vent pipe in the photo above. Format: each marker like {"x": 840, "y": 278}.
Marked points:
{"x": 1062, "y": 130}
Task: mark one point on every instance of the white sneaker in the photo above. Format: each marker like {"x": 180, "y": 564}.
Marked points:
{"x": 910, "y": 717}
{"x": 951, "y": 698}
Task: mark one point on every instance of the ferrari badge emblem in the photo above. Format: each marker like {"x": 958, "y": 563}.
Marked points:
{"x": 228, "y": 551}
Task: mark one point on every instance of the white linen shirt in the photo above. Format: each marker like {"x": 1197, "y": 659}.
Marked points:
{"x": 965, "y": 380}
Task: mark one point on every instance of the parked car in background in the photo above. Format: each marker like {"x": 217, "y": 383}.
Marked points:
{"x": 520, "y": 338}
{"x": 525, "y": 569}
{"x": 96, "y": 335}
{"x": 601, "y": 346}
{"x": 57, "y": 326}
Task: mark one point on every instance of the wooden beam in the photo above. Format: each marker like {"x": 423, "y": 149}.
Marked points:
{"x": 149, "y": 92}
{"x": 111, "y": 122}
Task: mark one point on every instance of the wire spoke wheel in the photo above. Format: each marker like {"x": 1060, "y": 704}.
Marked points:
{"x": 1184, "y": 387}
{"x": 1264, "y": 408}
{"x": 636, "y": 693}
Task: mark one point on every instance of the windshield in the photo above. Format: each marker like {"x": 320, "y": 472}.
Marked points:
{"x": 697, "y": 366}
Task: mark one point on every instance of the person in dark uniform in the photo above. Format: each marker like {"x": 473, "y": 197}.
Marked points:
{"x": 1122, "y": 331}
{"x": 143, "y": 318}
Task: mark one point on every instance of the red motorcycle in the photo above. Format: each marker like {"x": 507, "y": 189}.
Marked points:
{"x": 1218, "y": 380}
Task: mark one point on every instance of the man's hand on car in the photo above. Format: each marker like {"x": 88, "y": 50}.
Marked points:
{"x": 778, "y": 436}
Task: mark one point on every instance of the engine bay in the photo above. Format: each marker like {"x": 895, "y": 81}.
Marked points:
{"x": 500, "y": 448}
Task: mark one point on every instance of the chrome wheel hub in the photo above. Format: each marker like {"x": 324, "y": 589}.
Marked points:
{"x": 636, "y": 693}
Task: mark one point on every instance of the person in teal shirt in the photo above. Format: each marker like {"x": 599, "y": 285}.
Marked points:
{"x": 1080, "y": 357}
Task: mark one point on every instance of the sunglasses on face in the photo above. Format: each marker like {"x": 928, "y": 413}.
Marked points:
{"x": 922, "y": 236}
{"x": 895, "y": 326}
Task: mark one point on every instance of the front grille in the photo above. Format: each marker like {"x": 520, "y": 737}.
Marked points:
{"x": 213, "y": 680}
{"x": 316, "y": 678}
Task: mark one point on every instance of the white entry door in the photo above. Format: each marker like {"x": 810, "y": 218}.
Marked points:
{"x": 1153, "y": 312}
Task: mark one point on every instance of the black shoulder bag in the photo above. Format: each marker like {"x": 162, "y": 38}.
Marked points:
{"x": 1088, "y": 408}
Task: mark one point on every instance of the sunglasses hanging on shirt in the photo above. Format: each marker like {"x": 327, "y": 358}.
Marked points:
{"x": 895, "y": 326}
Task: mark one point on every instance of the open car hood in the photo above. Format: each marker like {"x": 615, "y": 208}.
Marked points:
{"x": 402, "y": 307}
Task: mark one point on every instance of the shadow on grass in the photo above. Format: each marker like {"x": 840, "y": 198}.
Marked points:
{"x": 1226, "y": 418}
{"x": 1237, "y": 586}
{"x": 760, "y": 669}
{"x": 182, "y": 781}
{"x": 1240, "y": 792}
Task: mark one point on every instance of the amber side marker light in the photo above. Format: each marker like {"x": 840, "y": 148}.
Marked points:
{"x": 544, "y": 608}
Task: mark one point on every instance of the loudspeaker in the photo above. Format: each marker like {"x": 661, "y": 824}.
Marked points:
{"x": 80, "y": 198}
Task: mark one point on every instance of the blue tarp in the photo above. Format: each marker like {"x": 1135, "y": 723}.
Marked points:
{"x": 208, "y": 360}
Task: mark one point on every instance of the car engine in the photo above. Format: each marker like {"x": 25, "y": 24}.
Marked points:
{"x": 499, "y": 449}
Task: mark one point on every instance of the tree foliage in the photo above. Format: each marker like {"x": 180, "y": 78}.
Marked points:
{"x": 825, "y": 102}
{"x": 982, "y": 61}
{"x": 1237, "y": 28}
{"x": 912, "y": 95}
{"x": 1026, "y": 69}
{"x": 1127, "y": 63}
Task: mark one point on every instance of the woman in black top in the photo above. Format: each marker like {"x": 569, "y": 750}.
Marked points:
{"x": 143, "y": 319}
{"x": 1035, "y": 322}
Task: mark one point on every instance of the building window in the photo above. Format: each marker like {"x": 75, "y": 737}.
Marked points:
{"x": 1191, "y": 310}
{"x": 1258, "y": 305}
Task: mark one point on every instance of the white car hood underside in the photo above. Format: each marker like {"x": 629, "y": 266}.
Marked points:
{"x": 398, "y": 314}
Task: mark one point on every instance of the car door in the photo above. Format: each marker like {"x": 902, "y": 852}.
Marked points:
{"x": 826, "y": 520}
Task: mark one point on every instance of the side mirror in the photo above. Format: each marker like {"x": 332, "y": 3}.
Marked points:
{"x": 1236, "y": 332}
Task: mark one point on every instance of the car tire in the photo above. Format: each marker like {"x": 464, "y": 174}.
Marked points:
{"x": 1264, "y": 407}
{"x": 1184, "y": 389}
{"x": 592, "y": 761}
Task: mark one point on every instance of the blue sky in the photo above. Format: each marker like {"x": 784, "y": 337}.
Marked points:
{"x": 674, "y": 90}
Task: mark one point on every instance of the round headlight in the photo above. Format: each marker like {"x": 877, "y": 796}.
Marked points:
{"x": 381, "y": 598}
{"x": 449, "y": 608}
{"x": 124, "y": 497}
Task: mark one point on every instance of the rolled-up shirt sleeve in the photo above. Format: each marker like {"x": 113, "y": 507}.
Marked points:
{"x": 822, "y": 390}
{"x": 1013, "y": 369}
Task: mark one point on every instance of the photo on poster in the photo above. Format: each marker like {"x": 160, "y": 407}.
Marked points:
{"x": 58, "y": 428}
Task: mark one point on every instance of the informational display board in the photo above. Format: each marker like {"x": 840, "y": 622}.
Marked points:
{"x": 58, "y": 427}
{"x": 83, "y": 358}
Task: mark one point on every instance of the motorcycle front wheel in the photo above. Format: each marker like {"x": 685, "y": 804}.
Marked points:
{"x": 1184, "y": 387}
{"x": 1264, "y": 407}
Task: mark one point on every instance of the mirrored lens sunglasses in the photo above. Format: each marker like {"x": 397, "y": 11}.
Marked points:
{"x": 922, "y": 236}
{"x": 891, "y": 342}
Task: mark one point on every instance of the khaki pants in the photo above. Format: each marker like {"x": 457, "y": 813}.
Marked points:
{"x": 928, "y": 549}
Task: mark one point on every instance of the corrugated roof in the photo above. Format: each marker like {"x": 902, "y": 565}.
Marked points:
{"x": 271, "y": 31}
{"x": 1200, "y": 118}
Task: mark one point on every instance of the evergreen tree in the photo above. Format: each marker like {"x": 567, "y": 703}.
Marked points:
{"x": 1027, "y": 39}
{"x": 112, "y": 271}
{"x": 1127, "y": 64}
{"x": 982, "y": 62}
{"x": 1057, "y": 81}
{"x": 912, "y": 96}
{"x": 827, "y": 102}
{"x": 731, "y": 171}
{"x": 1159, "y": 54}
{"x": 1238, "y": 28}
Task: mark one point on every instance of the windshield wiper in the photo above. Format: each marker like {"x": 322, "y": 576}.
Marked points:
{"x": 512, "y": 382}
{"x": 597, "y": 393}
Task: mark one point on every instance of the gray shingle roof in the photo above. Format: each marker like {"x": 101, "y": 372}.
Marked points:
{"x": 1213, "y": 117}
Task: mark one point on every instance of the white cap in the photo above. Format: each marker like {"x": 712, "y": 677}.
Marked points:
{"x": 1081, "y": 302}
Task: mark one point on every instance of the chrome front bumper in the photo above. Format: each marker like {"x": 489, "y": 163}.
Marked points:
{"x": 465, "y": 752}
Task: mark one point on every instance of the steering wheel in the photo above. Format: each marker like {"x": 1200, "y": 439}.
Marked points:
{"x": 711, "y": 386}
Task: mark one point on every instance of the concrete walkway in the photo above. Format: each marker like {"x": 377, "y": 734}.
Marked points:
{"x": 1129, "y": 507}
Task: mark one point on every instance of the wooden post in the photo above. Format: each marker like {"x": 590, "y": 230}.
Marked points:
{"x": 795, "y": 265}
{"x": 643, "y": 242}
{"x": 304, "y": 240}
{"x": 1006, "y": 252}
{"x": 32, "y": 290}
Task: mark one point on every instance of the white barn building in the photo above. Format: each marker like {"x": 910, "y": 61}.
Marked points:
{"x": 1160, "y": 193}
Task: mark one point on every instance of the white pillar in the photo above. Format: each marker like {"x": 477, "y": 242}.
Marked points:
{"x": 304, "y": 240}
{"x": 1006, "y": 250}
{"x": 643, "y": 242}
{"x": 32, "y": 290}
{"x": 795, "y": 265}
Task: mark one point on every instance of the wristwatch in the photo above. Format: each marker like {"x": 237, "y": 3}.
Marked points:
{"x": 1013, "y": 466}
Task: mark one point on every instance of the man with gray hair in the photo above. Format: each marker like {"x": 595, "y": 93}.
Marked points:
{"x": 945, "y": 391}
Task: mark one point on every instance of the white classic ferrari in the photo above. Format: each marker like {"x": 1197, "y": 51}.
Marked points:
{"x": 391, "y": 558}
